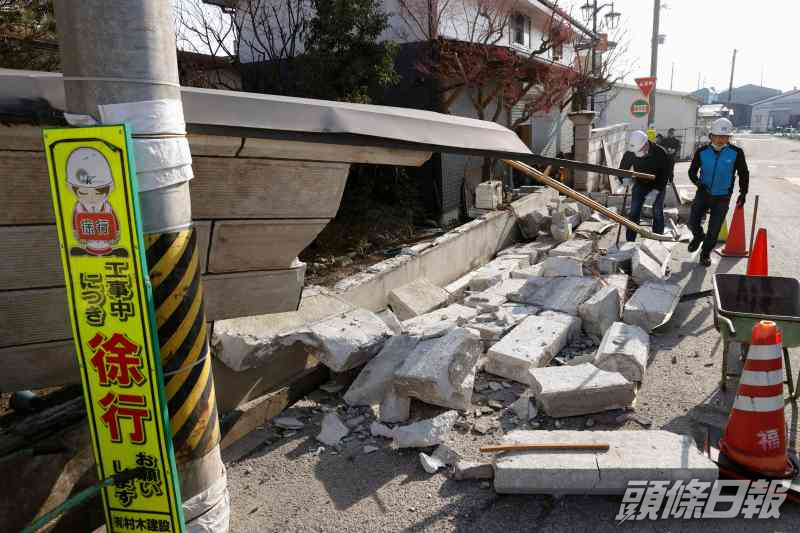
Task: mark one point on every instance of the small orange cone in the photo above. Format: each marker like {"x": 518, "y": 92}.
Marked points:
{"x": 735, "y": 245}
{"x": 757, "y": 265}
{"x": 755, "y": 437}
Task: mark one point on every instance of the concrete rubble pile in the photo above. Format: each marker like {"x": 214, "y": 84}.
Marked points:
{"x": 563, "y": 325}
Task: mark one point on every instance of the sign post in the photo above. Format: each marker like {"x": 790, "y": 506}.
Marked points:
{"x": 95, "y": 201}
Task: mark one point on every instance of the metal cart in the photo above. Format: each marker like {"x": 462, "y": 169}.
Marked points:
{"x": 741, "y": 301}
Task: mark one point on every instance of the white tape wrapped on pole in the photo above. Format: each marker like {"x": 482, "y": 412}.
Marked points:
{"x": 209, "y": 511}
{"x": 163, "y": 165}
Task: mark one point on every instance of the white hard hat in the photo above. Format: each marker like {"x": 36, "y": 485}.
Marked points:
{"x": 87, "y": 167}
{"x": 721, "y": 126}
{"x": 637, "y": 141}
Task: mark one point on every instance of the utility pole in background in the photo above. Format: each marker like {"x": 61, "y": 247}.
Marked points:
{"x": 124, "y": 52}
{"x": 654, "y": 61}
{"x": 730, "y": 85}
{"x": 672, "y": 76}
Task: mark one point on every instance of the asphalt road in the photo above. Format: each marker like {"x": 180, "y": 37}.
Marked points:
{"x": 286, "y": 485}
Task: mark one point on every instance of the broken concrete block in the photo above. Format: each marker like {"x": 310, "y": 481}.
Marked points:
{"x": 494, "y": 272}
{"x": 333, "y": 430}
{"x": 624, "y": 349}
{"x": 535, "y": 221}
{"x": 506, "y": 287}
{"x": 350, "y": 339}
{"x": 617, "y": 259}
{"x": 429, "y": 463}
{"x": 425, "y": 432}
{"x": 534, "y": 271}
{"x": 570, "y": 208}
{"x": 652, "y": 305}
{"x": 644, "y": 268}
{"x": 530, "y": 249}
{"x": 457, "y": 288}
{"x": 600, "y": 311}
{"x": 439, "y": 322}
{"x": 485, "y": 301}
{"x": 564, "y": 294}
{"x": 579, "y": 390}
{"x": 391, "y": 320}
{"x": 371, "y": 384}
{"x": 395, "y": 407}
{"x": 656, "y": 250}
{"x": 473, "y": 470}
{"x": 493, "y": 326}
{"x": 560, "y": 266}
{"x": 632, "y": 456}
{"x": 585, "y": 211}
{"x": 620, "y": 283}
{"x": 525, "y": 294}
{"x": 576, "y": 248}
{"x": 416, "y": 298}
{"x": 533, "y": 343}
{"x": 379, "y": 430}
{"x": 524, "y": 407}
{"x": 560, "y": 227}
{"x": 242, "y": 348}
{"x": 441, "y": 372}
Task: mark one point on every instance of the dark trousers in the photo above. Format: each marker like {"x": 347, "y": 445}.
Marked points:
{"x": 638, "y": 195}
{"x": 718, "y": 207}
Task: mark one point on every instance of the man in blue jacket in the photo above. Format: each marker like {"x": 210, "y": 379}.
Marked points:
{"x": 718, "y": 162}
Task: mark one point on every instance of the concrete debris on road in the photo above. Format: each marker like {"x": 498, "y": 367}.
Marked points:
{"x": 617, "y": 259}
{"x": 600, "y": 311}
{"x": 525, "y": 407}
{"x": 391, "y": 320}
{"x": 557, "y": 266}
{"x": 496, "y": 271}
{"x": 438, "y": 323}
{"x": 533, "y": 343}
{"x": 395, "y": 407}
{"x": 624, "y": 349}
{"x": 576, "y": 249}
{"x": 632, "y": 456}
{"x": 564, "y": 294}
{"x": 425, "y": 432}
{"x": 416, "y": 298}
{"x": 652, "y": 305}
{"x": 377, "y": 375}
{"x": 441, "y": 372}
{"x": 333, "y": 430}
{"x": 579, "y": 390}
{"x": 350, "y": 339}
{"x": 560, "y": 227}
{"x": 473, "y": 470}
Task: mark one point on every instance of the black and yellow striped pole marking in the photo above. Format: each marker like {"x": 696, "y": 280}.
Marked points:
{"x": 174, "y": 263}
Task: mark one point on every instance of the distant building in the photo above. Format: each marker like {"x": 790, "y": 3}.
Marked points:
{"x": 674, "y": 109}
{"x": 706, "y": 95}
{"x": 742, "y": 100}
{"x": 777, "y": 112}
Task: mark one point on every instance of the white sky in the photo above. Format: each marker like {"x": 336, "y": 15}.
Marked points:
{"x": 701, "y": 36}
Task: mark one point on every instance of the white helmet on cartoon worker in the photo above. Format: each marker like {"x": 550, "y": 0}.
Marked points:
{"x": 87, "y": 167}
{"x": 638, "y": 143}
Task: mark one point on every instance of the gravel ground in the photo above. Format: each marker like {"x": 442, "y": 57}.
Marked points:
{"x": 290, "y": 484}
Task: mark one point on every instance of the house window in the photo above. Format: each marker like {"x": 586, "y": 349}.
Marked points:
{"x": 520, "y": 29}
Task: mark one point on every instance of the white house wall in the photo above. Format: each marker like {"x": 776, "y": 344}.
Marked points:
{"x": 673, "y": 110}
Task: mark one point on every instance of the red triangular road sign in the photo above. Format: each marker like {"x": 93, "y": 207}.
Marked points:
{"x": 646, "y": 85}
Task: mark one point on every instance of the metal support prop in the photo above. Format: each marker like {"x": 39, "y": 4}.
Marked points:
{"x": 122, "y": 52}
{"x": 585, "y": 200}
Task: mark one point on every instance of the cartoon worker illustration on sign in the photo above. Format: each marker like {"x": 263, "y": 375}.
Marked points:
{"x": 94, "y": 222}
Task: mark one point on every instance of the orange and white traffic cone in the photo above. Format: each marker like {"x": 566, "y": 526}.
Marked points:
{"x": 755, "y": 437}
{"x": 734, "y": 244}
{"x": 758, "y": 264}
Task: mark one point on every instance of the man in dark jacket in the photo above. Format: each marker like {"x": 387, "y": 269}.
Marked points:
{"x": 672, "y": 146}
{"x": 646, "y": 156}
{"x": 718, "y": 162}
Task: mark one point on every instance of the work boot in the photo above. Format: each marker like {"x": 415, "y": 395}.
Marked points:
{"x": 695, "y": 244}
{"x": 705, "y": 260}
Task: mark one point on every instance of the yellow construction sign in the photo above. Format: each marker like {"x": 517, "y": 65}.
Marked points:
{"x": 95, "y": 201}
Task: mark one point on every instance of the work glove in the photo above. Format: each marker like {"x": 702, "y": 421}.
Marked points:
{"x": 740, "y": 200}
{"x": 627, "y": 182}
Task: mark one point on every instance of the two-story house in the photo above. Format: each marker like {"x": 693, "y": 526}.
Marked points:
{"x": 517, "y": 26}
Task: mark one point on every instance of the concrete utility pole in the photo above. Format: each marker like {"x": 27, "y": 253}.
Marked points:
{"x": 654, "y": 61}
{"x": 124, "y": 52}
{"x": 730, "y": 85}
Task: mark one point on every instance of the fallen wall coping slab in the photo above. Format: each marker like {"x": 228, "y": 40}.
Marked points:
{"x": 452, "y": 255}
